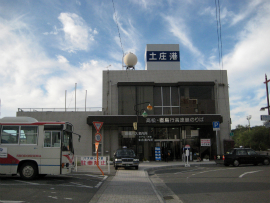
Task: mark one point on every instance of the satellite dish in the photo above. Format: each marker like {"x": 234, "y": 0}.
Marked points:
{"x": 130, "y": 60}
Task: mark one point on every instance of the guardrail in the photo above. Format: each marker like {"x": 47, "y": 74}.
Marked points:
{"x": 91, "y": 161}
{"x": 59, "y": 109}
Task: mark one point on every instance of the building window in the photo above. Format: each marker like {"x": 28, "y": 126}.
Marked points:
{"x": 130, "y": 97}
{"x": 166, "y": 100}
{"x": 197, "y": 100}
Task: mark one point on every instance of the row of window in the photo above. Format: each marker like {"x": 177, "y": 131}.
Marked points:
{"x": 167, "y": 100}
{"x": 27, "y": 135}
{"x": 19, "y": 134}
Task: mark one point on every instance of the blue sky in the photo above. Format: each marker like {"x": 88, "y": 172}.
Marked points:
{"x": 48, "y": 46}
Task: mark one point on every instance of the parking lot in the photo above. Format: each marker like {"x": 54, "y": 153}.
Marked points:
{"x": 76, "y": 187}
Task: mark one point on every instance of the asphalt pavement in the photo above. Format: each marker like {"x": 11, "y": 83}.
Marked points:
{"x": 132, "y": 185}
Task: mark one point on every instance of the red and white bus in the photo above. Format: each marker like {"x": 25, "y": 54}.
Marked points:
{"x": 31, "y": 148}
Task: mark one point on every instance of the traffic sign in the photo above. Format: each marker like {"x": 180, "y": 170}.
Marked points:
{"x": 216, "y": 126}
{"x": 97, "y": 125}
{"x": 265, "y": 117}
{"x": 98, "y": 137}
{"x": 187, "y": 146}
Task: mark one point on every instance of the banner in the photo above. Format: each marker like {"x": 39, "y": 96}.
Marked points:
{"x": 92, "y": 161}
{"x": 206, "y": 142}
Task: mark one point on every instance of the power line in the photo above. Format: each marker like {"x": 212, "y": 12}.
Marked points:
{"x": 220, "y": 35}
{"x": 118, "y": 28}
{"x": 220, "y": 55}
{"x": 217, "y": 32}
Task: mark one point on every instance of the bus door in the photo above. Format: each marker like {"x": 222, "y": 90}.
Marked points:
{"x": 67, "y": 152}
{"x": 51, "y": 155}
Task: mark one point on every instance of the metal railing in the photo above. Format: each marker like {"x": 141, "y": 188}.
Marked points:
{"x": 60, "y": 109}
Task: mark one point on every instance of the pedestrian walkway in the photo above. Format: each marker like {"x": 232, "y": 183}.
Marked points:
{"x": 132, "y": 185}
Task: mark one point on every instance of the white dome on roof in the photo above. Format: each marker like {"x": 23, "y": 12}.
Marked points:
{"x": 130, "y": 59}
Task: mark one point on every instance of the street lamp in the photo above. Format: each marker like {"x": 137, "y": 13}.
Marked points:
{"x": 263, "y": 108}
{"x": 248, "y": 118}
{"x": 144, "y": 114}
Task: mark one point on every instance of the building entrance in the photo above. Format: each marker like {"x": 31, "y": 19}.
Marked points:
{"x": 170, "y": 150}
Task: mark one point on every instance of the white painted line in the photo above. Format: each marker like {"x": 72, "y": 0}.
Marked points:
{"x": 80, "y": 185}
{"x": 97, "y": 186}
{"x": 30, "y": 183}
{"x": 248, "y": 173}
{"x": 8, "y": 201}
{"x": 105, "y": 177}
{"x": 53, "y": 197}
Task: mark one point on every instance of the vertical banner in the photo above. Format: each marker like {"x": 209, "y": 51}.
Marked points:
{"x": 157, "y": 154}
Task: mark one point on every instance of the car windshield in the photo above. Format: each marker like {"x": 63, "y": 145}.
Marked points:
{"x": 230, "y": 151}
{"x": 125, "y": 152}
{"x": 251, "y": 152}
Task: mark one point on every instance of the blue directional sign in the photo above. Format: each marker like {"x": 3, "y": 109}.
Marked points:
{"x": 216, "y": 126}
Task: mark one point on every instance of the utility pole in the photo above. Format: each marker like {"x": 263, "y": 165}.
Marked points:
{"x": 267, "y": 93}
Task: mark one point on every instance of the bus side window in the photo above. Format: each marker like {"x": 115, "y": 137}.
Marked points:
{"x": 10, "y": 134}
{"x": 28, "y": 135}
{"x": 56, "y": 139}
{"x": 47, "y": 139}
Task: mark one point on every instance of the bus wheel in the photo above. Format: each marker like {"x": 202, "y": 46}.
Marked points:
{"x": 28, "y": 171}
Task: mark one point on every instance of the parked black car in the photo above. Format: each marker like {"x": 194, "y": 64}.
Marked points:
{"x": 125, "y": 157}
{"x": 237, "y": 156}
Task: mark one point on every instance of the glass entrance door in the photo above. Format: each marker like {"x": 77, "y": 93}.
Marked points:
{"x": 168, "y": 139}
{"x": 172, "y": 147}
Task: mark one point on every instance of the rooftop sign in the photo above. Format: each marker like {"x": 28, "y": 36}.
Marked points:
{"x": 162, "y": 56}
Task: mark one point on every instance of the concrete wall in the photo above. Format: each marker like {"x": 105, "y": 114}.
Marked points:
{"x": 112, "y": 77}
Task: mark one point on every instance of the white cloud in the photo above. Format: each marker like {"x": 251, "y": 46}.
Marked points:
{"x": 178, "y": 28}
{"x": 247, "y": 65}
{"x": 30, "y": 79}
{"x": 146, "y": 4}
{"x": 246, "y": 11}
{"x": 78, "y": 36}
{"x": 61, "y": 59}
{"x": 130, "y": 37}
{"x": 54, "y": 32}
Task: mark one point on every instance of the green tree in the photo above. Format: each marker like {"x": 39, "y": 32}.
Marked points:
{"x": 257, "y": 137}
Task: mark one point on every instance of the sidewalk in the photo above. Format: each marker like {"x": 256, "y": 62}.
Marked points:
{"x": 132, "y": 185}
